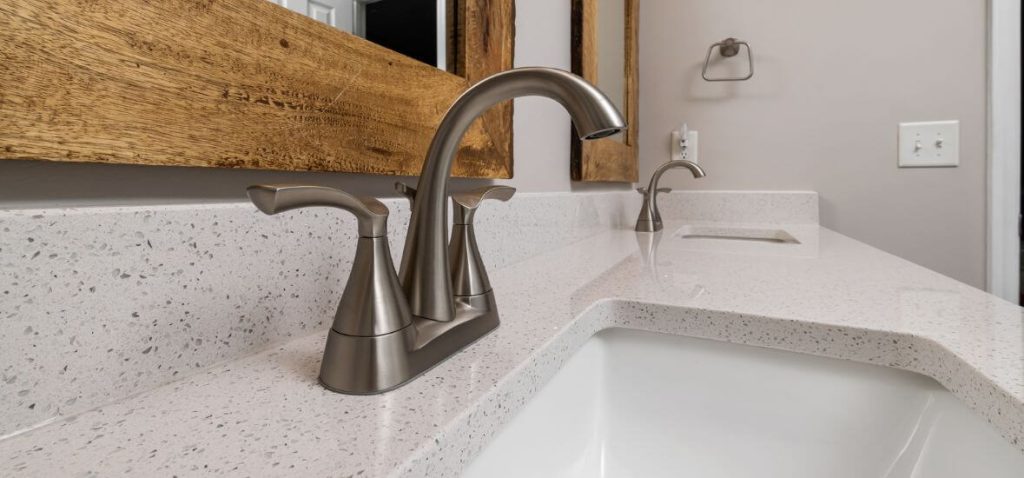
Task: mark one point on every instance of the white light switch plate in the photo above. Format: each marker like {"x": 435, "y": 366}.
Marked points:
{"x": 929, "y": 144}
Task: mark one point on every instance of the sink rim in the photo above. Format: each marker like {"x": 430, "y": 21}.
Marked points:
{"x": 794, "y": 367}
{"x": 464, "y": 438}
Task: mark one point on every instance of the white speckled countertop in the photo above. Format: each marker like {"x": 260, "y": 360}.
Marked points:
{"x": 265, "y": 415}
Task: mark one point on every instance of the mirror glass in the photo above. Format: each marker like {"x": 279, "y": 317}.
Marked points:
{"x": 611, "y": 52}
{"x": 418, "y": 29}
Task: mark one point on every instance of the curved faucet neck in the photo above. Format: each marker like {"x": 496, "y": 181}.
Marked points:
{"x": 425, "y": 272}
{"x": 694, "y": 168}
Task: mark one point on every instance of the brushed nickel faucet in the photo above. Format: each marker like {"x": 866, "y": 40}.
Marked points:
{"x": 650, "y": 217}
{"x": 389, "y": 327}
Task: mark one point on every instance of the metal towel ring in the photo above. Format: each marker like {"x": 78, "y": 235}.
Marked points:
{"x": 728, "y": 48}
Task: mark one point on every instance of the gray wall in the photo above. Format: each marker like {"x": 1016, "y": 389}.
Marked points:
{"x": 833, "y": 80}
{"x": 541, "y": 145}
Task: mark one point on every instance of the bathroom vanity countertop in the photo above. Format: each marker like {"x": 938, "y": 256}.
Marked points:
{"x": 265, "y": 414}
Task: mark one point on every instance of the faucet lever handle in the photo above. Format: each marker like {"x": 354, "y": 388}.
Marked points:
{"x": 466, "y": 203}
{"x": 373, "y": 303}
{"x": 371, "y": 214}
{"x": 469, "y": 277}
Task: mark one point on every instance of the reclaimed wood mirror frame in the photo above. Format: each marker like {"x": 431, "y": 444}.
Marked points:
{"x": 609, "y": 159}
{"x": 238, "y": 84}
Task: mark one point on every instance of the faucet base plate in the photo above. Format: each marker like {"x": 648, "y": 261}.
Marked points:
{"x": 371, "y": 365}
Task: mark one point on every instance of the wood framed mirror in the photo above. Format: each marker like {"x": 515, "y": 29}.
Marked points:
{"x": 248, "y": 83}
{"x": 605, "y": 52}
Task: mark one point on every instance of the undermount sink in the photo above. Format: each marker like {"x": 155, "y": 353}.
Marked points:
{"x": 639, "y": 404}
{"x": 737, "y": 234}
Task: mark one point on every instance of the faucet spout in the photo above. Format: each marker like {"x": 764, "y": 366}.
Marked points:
{"x": 425, "y": 271}
{"x": 694, "y": 168}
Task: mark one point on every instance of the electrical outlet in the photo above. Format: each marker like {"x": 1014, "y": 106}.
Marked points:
{"x": 692, "y": 150}
{"x": 929, "y": 144}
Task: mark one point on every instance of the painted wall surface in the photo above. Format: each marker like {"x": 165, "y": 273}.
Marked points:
{"x": 541, "y": 144}
{"x": 832, "y": 81}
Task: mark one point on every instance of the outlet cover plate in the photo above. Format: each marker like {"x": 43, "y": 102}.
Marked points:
{"x": 692, "y": 147}
{"x": 929, "y": 144}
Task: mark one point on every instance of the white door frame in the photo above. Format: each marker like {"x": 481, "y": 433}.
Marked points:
{"x": 1004, "y": 162}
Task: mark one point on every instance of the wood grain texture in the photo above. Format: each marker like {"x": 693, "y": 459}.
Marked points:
{"x": 487, "y": 38}
{"x": 606, "y": 159}
{"x": 235, "y": 84}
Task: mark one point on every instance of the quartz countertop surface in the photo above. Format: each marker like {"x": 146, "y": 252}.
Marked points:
{"x": 265, "y": 414}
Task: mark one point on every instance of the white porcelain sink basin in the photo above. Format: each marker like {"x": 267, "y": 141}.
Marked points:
{"x": 638, "y": 404}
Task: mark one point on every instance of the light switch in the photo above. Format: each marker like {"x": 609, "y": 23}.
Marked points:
{"x": 929, "y": 144}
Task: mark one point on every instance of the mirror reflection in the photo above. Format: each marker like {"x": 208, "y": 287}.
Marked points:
{"x": 415, "y": 28}
{"x": 611, "y": 52}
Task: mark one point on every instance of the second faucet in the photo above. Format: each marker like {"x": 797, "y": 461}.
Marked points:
{"x": 650, "y": 217}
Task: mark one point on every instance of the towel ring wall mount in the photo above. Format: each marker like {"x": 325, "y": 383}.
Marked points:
{"x": 729, "y": 48}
